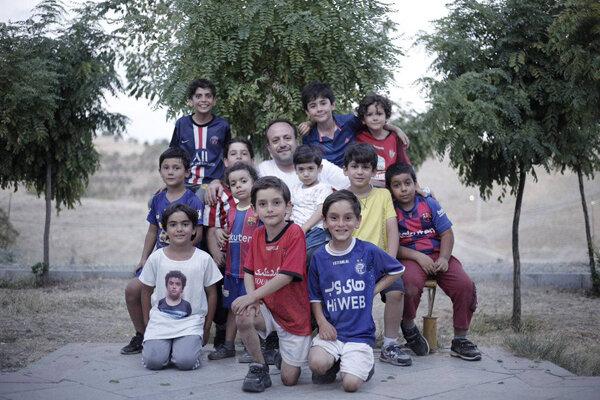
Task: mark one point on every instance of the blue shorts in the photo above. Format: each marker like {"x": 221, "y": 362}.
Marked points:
{"x": 397, "y": 286}
{"x": 232, "y": 289}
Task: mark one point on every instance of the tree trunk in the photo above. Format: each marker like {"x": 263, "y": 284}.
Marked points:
{"x": 588, "y": 235}
{"x": 47, "y": 222}
{"x": 516, "y": 313}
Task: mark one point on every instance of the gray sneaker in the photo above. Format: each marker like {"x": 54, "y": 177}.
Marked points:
{"x": 393, "y": 354}
{"x": 220, "y": 353}
{"x": 245, "y": 357}
{"x": 257, "y": 379}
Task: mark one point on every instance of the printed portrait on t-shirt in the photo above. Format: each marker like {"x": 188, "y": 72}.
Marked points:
{"x": 173, "y": 304}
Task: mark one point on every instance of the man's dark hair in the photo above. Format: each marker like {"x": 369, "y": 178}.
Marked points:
{"x": 176, "y": 274}
{"x": 270, "y": 182}
{"x": 241, "y": 166}
{"x": 175, "y": 152}
{"x": 397, "y": 169}
{"x": 282, "y": 120}
{"x": 376, "y": 99}
{"x": 238, "y": 139}
{"x": 308, "y": 154}
{"x": 200, "y": 83}
{"x": 361, "y": 153}
{"x": 342, "y": 195}
{"x": 314, "y": 90}
{"x": 173, "y": 208}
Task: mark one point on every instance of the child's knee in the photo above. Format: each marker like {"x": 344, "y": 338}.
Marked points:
{"x": 244, "y": 322}
{"x": 154, "y": 360}
{"x": 317, "y": 364}
{"x": 187, "y": 362}
{"x": 133, "y": 291}
{"x": 289, "y": 379}
{"x": 351, "y": 383}
{"x": 394, "y": 297}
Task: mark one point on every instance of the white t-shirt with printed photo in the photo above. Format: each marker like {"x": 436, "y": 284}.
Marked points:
{"x": 200, "y": 271}
{"x": 306, "y": 200}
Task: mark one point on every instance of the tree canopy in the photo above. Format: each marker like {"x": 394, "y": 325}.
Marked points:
{"x": 259, "y": 53}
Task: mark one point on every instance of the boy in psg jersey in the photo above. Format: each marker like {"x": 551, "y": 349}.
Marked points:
{"x": 202, "y": 136}
{"x": 344, "y": 277}
{"x": 275, "y": 280}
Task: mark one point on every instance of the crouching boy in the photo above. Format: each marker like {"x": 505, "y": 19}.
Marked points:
{"x": 344, "y": 277}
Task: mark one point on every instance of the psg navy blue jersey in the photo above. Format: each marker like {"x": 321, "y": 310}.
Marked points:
{"x": 204, "y": 145}
{"x": 348, "y": 126}
{"x": 345, "y": 286}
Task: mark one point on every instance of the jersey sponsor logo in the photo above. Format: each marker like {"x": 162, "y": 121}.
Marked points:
{"x": 350, "y": 286}
{"x": 239, "y": 238}
{"x": 338, "y": 262}
{"x": 360, "y": 267}
{"x": 420, "y": 232}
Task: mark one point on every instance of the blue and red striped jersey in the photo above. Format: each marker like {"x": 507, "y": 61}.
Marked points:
{"x": 420, "y": 228}
{"x": 204, "y": 145}
{"x": 242, "y": 224}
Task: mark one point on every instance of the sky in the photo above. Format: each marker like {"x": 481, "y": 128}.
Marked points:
{"x": 149, "y": 124}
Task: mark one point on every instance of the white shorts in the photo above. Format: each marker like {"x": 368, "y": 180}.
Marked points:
{"x": 293, "y": 348}
{"x": 357, "y": 358}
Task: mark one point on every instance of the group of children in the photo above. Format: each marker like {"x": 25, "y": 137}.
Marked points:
{"x": 296, "y": 255}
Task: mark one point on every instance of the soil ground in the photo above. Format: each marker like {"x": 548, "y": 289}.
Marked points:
{"x": 36, "y": 321}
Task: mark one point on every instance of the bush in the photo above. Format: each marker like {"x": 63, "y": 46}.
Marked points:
{"x": 8, "y": 234}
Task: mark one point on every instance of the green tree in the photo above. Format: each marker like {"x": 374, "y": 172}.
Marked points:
{"x": 259, "y": 53}
{"x": 421, "y": 141}
{"x": 575, "y": 39}
{"x": 53, "y": 77}
{"x": 495, "y": 110}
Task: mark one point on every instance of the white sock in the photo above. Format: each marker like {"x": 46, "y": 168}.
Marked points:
{"x": 388, "y": 341}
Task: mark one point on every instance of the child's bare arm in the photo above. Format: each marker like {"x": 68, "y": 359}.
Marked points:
{"x": 211, "y": 297}
{"x": 253, "y": 296}
{"x": 314, "y": 219}
{"x": 198, "y": 238}
{"x": 149, "y": 243}
{"x": 386, "y": 282}
{"x": 326, "y": 330}
{"x": 399, "y": 132}
{"x": 446, "y": 246}
{"x": 214, "y": 248}
{"x": 423, "y": 259}
{"x": 393, "y": 236}
{"x": 146, "y": 305}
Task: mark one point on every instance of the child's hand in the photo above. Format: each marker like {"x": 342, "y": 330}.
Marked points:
{"x": 222, "y": 236}
{"x": 219, "y": 258}
{"x": 441, "y": 265}
{"x": 240, "y": 304}
{"x": 213, "y": 192}
{"x": 304, "y": 128}
{"x": 206, "y": 334}
{"x": 403, "y": 137}
{"x": 427, "y": 264}
{"x": 327, "y": 331}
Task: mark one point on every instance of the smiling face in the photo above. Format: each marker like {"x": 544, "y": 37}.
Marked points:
{"x": 375, "y": 118}
{"x": 202, "y": 101}
{"x": 403, "y": 189}
{"x": 341, "y": 221}
{"x": 172, "y": 172}
{"x": 240, "y": 183}
{"x": 180, "y": 229}
{"x": 320, "y": 110}
{"x": 281, "y": 143}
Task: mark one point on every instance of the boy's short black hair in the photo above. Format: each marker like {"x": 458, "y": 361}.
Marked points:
{"x": 270, "y": 182}
{"x": 238, "y": 139}
{"x": 397, "y": 169}
{"x": 241, "y": 166}
{"x": 173, "y": 208}
{"x": 361, "y": 153}
{"x": 314, "y": 90}
{"x": 378, "y": 100}
{"x": 342, "y": 195}
{"x": 176, "y": 274}
{"x": 175, "y": 152}
{"x": 308, "y": 154}
{"x": 280, "y": 120}
{"x": 200, "y": 83}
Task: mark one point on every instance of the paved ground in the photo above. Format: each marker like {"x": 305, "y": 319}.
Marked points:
{"x": 98, "y": 371}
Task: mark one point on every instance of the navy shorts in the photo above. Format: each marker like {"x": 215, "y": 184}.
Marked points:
{"x": 232, "y": 289}
{"x": 397, "y": 286}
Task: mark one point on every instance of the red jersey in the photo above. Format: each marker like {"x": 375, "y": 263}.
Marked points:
{"x": 285, "y": 254}
{"x": 390, "y": 151}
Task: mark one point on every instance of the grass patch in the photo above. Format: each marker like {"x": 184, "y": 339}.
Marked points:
{"x": 484, "y": 324}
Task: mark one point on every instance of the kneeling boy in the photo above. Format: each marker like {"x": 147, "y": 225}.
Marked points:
{"x": 277, "y": 294}
{"x": 344, "y": 277}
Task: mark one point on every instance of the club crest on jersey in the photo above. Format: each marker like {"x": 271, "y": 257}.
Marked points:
{"x": 251, "y": 220}
{"x": 426, "y": 217}
{"x": 214, "y": 140}
{"x": 360, "y": 267}
{"x": 392, "y": 153}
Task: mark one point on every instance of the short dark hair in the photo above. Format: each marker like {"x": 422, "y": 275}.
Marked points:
{"x": 280, "y": 120}
{"x": 378, "y": 100}
{"x": 342, "y": 195}
{"x": 314, "y": 90}
{"x": 361, "y": 153}
{"x": 176, "y": 274}
{"x": 200, "y": 83}
{"x": 308, "y": 154}
{"x": 173, "y": 208}
{"x": 241, "y": 166}
{"x": 397, "y": 169}
{"x": 175, "y": 152}
{"x": 270, "y": 182}
{"x": 238, "y": 139}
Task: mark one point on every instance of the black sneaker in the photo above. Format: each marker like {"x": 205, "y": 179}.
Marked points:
{"x": 220, "y": 353}
{"x": 135, "y": 345}
{"x": 393, "y": 354}
{"x": 257, "y": 379}
{"x": 271, "y": 356}
{"x": 415, "y": 341}
{"x": 327, "y": 377}
{"x": 278, "y": 360}
{"x": 465, "y": 349}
